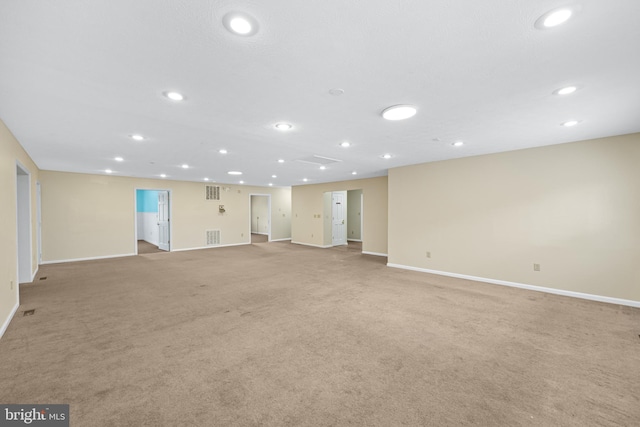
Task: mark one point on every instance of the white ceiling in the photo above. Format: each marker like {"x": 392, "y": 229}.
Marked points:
{"x": 78, "y": 77}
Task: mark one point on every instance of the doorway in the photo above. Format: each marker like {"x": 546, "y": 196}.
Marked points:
{"x": 260, "y": 218}
{"x": 23, "y": 202}
{"x": 153, "y": 225}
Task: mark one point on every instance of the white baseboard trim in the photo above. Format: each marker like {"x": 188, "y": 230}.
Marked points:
{"x": 33, "y": 276}
{"x": 374, "y": 253}
{"x": 354, "y": 240}
{"x": 592, "y": 297}
{"x": 210, "y": 247}
{"x": 9, "y": 318}
{"x": 281, "y": 240}
{"x": 311, "y": 244}
{"x": 257, "y": 232}
{"x": 59, "y": 261}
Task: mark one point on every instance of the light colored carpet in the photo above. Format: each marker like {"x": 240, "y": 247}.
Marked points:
{"x": 259, "y": 238}
{"x": 284, "y": 335}
{"x": 145, "y": 247}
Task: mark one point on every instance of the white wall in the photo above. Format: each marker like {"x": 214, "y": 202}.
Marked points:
{"x": 148, "y": 227}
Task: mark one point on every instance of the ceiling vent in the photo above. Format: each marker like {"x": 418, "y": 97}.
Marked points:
{"x": 212, "y": 192}
{"x": 213, "y": 237}
{"x": 318, "y": 160}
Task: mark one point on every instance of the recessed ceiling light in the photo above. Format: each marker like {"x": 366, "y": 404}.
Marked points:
{"x": 457, "y": 144}
{"x": 174, "y": 96}
{"x": 283, "y": 126}
{"x": 345, "y": 144}
{"x": 234, "y": 173}
{"x": 565, "y": 90}
{"x": 222, "y": 151}
{"x": 240, "y": 23}
{"x": 305, "y": 179}
{"x": 206, "y": 179}
{"x": 280, "y": 160}
{"x": 399, "y": 112}
{"x": 137, "y": 137}
{"x": 354, "y": 173}
{"x": 271, "y": 184}
{"x": 241, "y": 182}
{"x": 336, "y": 91}
{"x": 386, "y": 156}
{"x": 570, "y": 123}
{"x": 162, "y": 175}
{"x": 118, "y": 159}
{"x": 108, "y": 171}
{"x": 185, "y": 166}
{"x": 556, "y": 17}
{"x": 322, "y": 167}
{"x": 274, "y": 176}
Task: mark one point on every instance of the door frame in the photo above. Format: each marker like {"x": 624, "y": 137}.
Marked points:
{"x": 268, "y": 196}
{"x": 135, "y": 216}
{"x": 23, "y": 262}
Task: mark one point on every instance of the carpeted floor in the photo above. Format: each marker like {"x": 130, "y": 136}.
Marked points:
{"x": 145, "y": 247}
{"x": 259, "y": 238}
{"x": 283, "y": 335}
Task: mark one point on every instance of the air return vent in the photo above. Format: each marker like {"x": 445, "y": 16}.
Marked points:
{"x": 213, "y": 237}
{"x": 212, "y": 192}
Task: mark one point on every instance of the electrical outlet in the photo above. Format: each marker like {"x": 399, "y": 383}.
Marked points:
{"x": 536, "y": 267}
{"x": 12, "y": 285}
{"x": 428, "y": 254}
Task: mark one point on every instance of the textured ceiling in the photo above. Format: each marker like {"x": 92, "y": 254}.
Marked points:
{"x": 78, "y": 77}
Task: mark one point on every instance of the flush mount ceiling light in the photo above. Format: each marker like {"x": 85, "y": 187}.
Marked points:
{"x": 174, "y": 96}
{"x": 280, "y": 160}
{"x": 345, "y": 144}
{"x": 457, "y": 144}
{"x": 399, "y": 112}
{"x": 274, "y": 176}
{"x": 162, "y": 175}
{"x": 137, "y": 137}
{"x": 118, "y": 159}
{"x": 283, "y": 126}
{"x": 565, "y": 90}
{"x": 206, "y": 179}
{"x": 185, "y": 166}
{"x": 570, "y": 123}
{"x": 234, "y": 173}
{"x": 305, "y": 179}
{"x": 386, "y": 156}
{"x": 322, "y": 167}
{"x": 222, "y": 151}
{"x": 108, "y": 171}
{"x": 240, "y": 24}
{"x": 556, "y": 17}
{"x": 354, "y": 173}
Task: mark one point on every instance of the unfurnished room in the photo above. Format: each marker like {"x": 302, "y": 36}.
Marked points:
{"x": 331, "y": 213}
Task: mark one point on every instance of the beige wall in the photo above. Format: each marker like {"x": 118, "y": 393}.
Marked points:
{"x": 86, "y": 216}
{"x": 308, "y": 224}
{"x": 10, "y": 153}
{"x": 572, "y": 208}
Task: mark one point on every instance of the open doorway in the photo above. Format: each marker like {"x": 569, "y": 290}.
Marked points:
{"x": 260, "y": 218}
{"x": 23, "y": 202}
{"x": 343, "y": 223}
{"x": 153, "y": 229}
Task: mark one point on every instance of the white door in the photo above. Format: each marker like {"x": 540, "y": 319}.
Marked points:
{"x": 163, "y": 220}
{"x": 339, "y": 216}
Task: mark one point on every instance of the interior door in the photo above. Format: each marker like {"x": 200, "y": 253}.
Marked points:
{"x": 163, "y": 221}
{"x": 339, "y": 217}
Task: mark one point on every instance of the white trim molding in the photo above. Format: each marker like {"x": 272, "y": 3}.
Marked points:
{"x": 33, "y": 275}
{"x": 210, "y": 247}
{"x": 592, "y": 297}
{"x": 312, "y": 245}
{"x": 281, "y": 240}
{"x": 374, "y": 253}
{"x": 59, "y": 261}
{"x": 354, "y": 240}
{"x": 6, "y": 323}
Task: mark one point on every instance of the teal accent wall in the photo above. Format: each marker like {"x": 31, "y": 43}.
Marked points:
{"x": 147, "y": 200}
